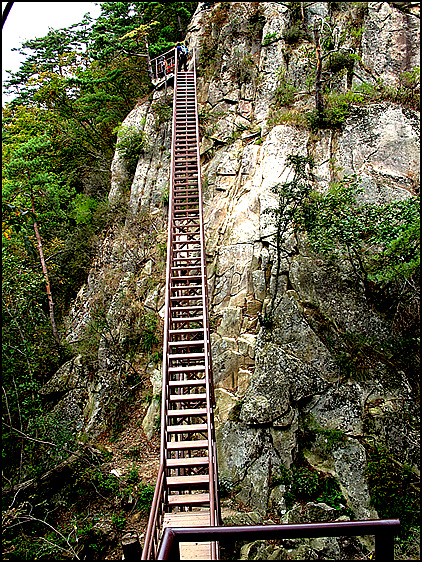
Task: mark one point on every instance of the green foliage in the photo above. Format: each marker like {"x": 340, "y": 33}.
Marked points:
{"x": 226, "y": 486}
{"x": 335, "y": 112}
{"x": 130, "y": 143}
{"x": 255, "y": 24}
{"x": 133, "y": 476}
{"x": 293, "y": 34}
{"x": 393, "y": 488}
{"x": 339, "y": 60}
{"x": 118, "y": 520}
{"x": 149, "y": 337}
{"x": 304, "y": 483}
{"x": 106, "y": 484}
{"x": 381, "y": 242}
{"x": 406, "y": 92}
{"x": 243, "y": 68}
{"x": 83, "y": 208}
{"x": 145, "y": 497}
{"x": 285, "y": 93}
{"x": 163, "y": 112}
{"x": 270, "y": 38}
{"x": 290, "y": 197}
{"x": 73, "y": 89}
{"x": 333, "y": 437}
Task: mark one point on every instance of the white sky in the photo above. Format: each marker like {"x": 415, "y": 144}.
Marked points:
{"x": 28, "y": 20}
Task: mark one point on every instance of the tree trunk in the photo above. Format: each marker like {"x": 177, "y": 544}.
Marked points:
{"x": 131, "y": 547}
{"x": 319, "y": 99}
{"x": 45, "y": 271}
{"x": 150, "y": 72}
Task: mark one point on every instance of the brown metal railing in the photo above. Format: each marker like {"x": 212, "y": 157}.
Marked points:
{"x": 163, "y": 65}
{"x": 186, "y": 411}
{"x": 383, "y": 529}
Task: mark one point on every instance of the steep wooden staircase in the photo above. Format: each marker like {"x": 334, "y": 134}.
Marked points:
{"x": 186, "y": 491}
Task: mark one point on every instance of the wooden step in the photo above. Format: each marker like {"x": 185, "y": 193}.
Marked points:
{"x": 187, "y": 519}
{"x": 187, "y": 462}
{"x": 185, "y": 481}
{"x": 186, "y": 445}
{"x": 198, "y": 382}
{"x": 187, "y": 397}
{"x": 189, "y": 319}
{"x": 174, "y": 357}
{"x": 187, "y": 297}
{"x": 188, "y": 499}
{"x": 189, "y": 369}
{"x": 187, "y": 412}
{"x": 195, "y": 518}
{"x": 188, "y": 330}
{"x": 186, "y": 343}
{"x": 185, "y": 308}
{"x": 193, "y": 428}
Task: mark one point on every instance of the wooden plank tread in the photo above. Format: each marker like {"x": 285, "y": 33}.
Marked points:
{"x": 188, "y": 499}
{"x": 190, "y": 369}
{"x": 186, "y": 355}
{"x": 187, "y": 397}
{"x": 183, "y": 463}
{"x": 193, "y": 428}
{"x": 187, "y": 412}
{"x": 186, "y": 343}
{"x": 198, "y": 382}
{"x": 182, "y": 445}
{"x": 195, "y": 480}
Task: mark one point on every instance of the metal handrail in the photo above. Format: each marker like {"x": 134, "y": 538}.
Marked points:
{"x": 154, "y": 515}
{"x": 170, "y": 58}
{"x": 383, "y": 529}
{"x": 214, "y": 503}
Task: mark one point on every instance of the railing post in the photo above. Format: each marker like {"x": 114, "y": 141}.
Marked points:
{"x": 169, "y": 549}
{"x": 384, "y": 545}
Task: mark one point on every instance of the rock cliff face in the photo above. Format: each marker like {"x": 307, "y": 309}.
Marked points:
{"x": 274, "y": 386}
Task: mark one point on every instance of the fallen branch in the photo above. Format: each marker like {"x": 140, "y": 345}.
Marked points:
{"x": 56, "y": 476}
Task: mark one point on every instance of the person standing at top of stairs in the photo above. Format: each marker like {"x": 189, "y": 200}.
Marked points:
{"x": 182, "y": 56}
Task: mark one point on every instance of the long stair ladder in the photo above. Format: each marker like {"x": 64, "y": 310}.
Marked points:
{"x": 186, "y": 493}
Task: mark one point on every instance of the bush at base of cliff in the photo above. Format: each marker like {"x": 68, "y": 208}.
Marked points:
{"x": 394, "y": 489}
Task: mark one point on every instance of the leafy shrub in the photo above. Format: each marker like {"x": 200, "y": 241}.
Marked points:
{"x": 119, "y": 521}
{"x": 270, "y": 38}
{"x": 226, "y": 485}
{"x": 243, "y": 68}
{"x": 163, "y": 112}
{"x": 255, "y": 24}
{"x": 149, "y": 328}
{"x": 392, "y": 489}
{"x": 145, "y": 497}
{"x": 285, "y": 92}
{"x": 406, "y": 93}
{"x": 133, "y": 476}
{"x": 336, "y": 111}
{"x": 130, "y": 143}
{"x": 339, "y": 60}
{"x": 83, "y": 208}
{"x": 303, "y": 483}
{"x": 293, "y": 34}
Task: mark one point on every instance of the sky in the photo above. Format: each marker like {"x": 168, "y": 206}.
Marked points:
{"x": 28, "y": 20}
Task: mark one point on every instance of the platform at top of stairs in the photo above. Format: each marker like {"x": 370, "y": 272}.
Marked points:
{"x": 194, "y": 518}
